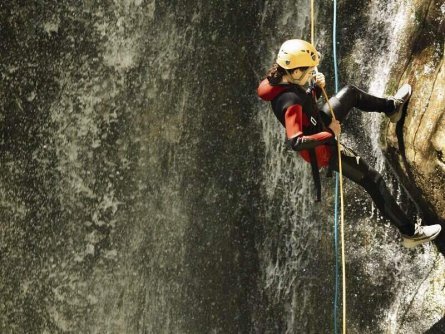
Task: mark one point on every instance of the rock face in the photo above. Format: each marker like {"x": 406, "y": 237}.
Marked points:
{"x": 416, "y": 146}
{"x": 145, "y": 189}
{"x": 126, "y": 206}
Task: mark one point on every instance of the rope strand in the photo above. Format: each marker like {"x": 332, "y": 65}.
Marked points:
{"x": 342, "y": 233}
{"x": 339, "y": 180}
{"x": 334, "y": 53}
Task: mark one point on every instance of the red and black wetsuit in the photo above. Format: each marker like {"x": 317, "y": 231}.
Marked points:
{"x": 296, "y": 109}
{"x": 306, "y": 132}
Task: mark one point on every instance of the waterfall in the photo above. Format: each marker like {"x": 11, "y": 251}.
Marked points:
{"x": 297, "y": 236}
{"x": 145, "y": 188}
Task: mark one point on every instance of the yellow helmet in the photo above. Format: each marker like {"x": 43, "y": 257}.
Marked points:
{"x": 297, "y": 53}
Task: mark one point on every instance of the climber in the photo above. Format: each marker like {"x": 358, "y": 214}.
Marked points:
{"x": 312, "y": 133}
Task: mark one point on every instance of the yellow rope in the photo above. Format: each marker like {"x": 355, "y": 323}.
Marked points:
{"x": 340, "y": 169}
{"x": 312, "y": 22}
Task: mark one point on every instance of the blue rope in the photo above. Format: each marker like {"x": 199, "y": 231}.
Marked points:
{"x": 337, "y": 283}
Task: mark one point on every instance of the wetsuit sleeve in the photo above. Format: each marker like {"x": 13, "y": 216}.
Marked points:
{"x": 294, "y": 126}
{"x": 293, "y": 119}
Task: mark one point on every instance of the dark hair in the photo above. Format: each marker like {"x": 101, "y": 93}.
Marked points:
{"x": 276, "y": 73}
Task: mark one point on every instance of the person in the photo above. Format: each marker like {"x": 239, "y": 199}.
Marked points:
{"x": 312, "y": 132}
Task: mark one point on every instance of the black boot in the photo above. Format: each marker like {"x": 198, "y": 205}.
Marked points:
{"x": 400, "y": 99}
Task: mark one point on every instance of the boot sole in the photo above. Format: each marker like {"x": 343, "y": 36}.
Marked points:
{"x": 410, "y": 243}
{"x": 404, "y": 93}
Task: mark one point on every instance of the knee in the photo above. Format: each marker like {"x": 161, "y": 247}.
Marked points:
{"x": 375, "y": 177}
{"x": 378, "y": 184}
{"x": 372, "y": 178}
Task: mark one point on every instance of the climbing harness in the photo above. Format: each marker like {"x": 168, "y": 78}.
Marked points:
{"x": 338, "y": 183}
{"x": 317, "y": 126}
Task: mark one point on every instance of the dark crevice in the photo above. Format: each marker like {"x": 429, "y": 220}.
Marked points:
{"x": 424, "y": 208}
{"x": 440, "y": 156}
{"x": 427, "y": 104}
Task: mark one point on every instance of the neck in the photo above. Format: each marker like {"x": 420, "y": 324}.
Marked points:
{"x": 286, "y": 80}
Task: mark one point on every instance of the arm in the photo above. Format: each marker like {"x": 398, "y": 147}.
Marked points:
{"x": 294, "y": 126}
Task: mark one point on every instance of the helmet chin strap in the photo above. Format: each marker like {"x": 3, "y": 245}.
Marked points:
{"x": 295, "y": 81}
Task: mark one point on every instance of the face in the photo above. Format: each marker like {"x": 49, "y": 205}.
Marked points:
{"x": 301, "y": 76}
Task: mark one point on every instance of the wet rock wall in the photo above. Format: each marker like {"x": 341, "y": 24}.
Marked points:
{"x": 145, "y": 189}
{"x": 127, "y": 203}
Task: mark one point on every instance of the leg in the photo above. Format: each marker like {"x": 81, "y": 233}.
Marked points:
{"x": 349, "y": 97}
{"x": 357, "y": 170}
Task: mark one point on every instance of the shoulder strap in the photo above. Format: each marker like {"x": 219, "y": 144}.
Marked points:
{"x": 309, "y": 109}
{"x": 295, "y": 95}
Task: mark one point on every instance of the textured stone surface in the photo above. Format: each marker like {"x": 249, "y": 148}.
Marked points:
{"x": 416, "y": 146}
{"x": 125, "y": 205}
{"x": 390, "y": 289}
{"x": 145, "y": 189}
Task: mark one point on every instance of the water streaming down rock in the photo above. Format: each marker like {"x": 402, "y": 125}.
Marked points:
{"x": 368, "y": 61}
{"x": 385, "y": 281}
{"x": 146, "y": 189}
{"x": 296, "y": 253}
{"x": 128, "y": 206}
